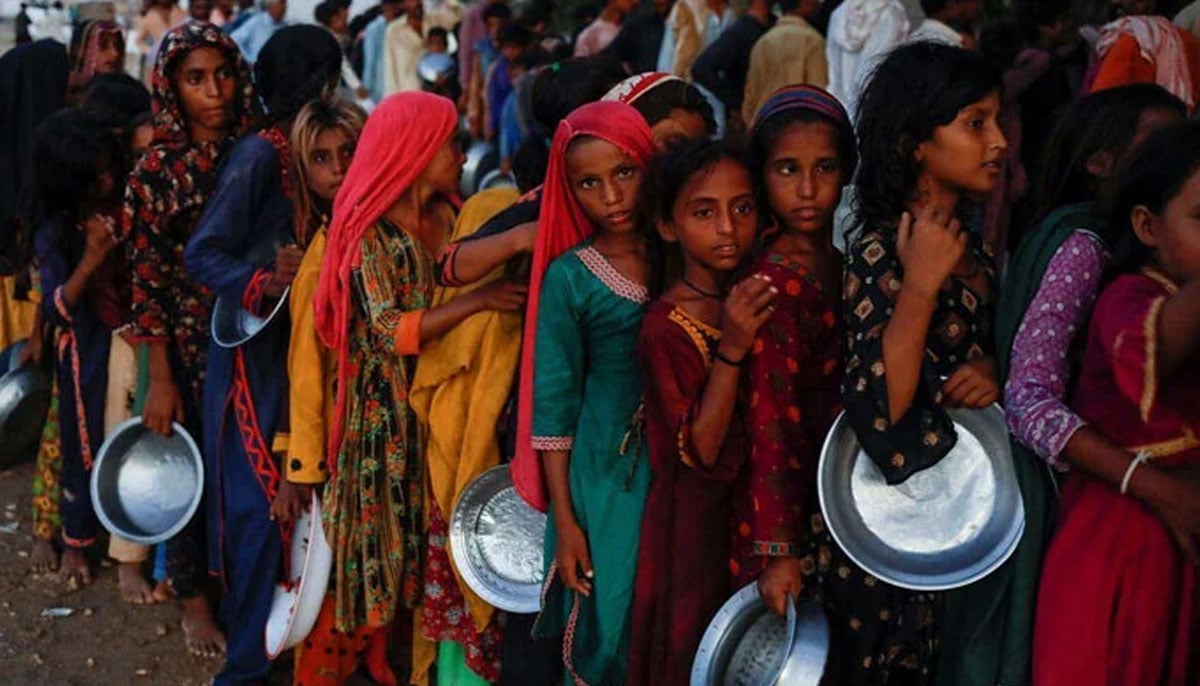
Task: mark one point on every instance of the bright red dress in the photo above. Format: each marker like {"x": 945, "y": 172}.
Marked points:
{"x": 1118, "y": 604}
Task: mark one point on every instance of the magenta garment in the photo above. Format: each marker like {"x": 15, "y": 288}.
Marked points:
{"x": 1035, "y": 395}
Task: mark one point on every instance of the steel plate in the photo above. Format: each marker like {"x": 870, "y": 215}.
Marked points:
{"x": 496, "y": 543}
{"x": 24, "y": 401}
{"x": 146, "y": 487}
{"x": 233, "y": 326}
{"x": 482, "y": 158}
{"x": 944, "y": 527}
{"x": 435, "y": 65}
{"x": 297, "y": 603}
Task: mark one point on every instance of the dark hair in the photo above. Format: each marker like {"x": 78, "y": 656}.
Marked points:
{"x": 788, "y": 6}
{"x": 766, "y": 134}
{"x": 497, "y": 10}
{"x": 438, "y": 32}
{"x": 1105, "y": 121}
{"x": 1032, "y": 14}
{"x": 534, "y": 15}
{"x": 530, "y": 161}
{"x": 298, "y": 64}
{"x": 662, "y": 183}
{"x": 116, "y": 99}
{"x": 1001, "y": 42}
{"x": 514, "y": 34}
{"x": 326, "y": 11}
{"x": 932, "y": 7}
{"x": 658, "y": 103}
{"x": 564, "y": 86}
{"x": 1151, "y": 177}
{"x": 916, "y": 89}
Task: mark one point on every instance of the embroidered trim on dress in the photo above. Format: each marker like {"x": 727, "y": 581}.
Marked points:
{"x": 1170, "y": 447}
{"x": 616, "y": 282}
{"x": 60, "y": 304}
{"x": 1150, "y": 366}
{"x": 552, "y": 442}
{"x": 698, "y": 331}
{"x": 255, "y": 290}
{"x": 1162, "y": 279}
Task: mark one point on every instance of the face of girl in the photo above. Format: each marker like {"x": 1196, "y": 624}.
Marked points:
{"x": 715, "y": 218}
{"x": 682, "y": 124}
{"x": 1175, "y": 234}
{"x": 111, "y": 52}
{"x": 445, "y": 169}
{"x": 328, "y": 161}
{"x": 804, "y": 176}
{"x": 966, "y": 155}
{"x": 605, "y": 181}
{"x": 206, "y": 83}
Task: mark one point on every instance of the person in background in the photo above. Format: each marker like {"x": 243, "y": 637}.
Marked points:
{"x": 860, "y": 33}
{"x": 1188, "y": 18}
{"x": 223, "y": 12}
{"x": 403, "y": 44}
{"x": 508, "y": 132}
{"x": 473, "y": 28}
{"x": 333, "y": 15}
{"x": 55, "y": 23}
{"x": 98, "y": 47}
{"x": 692, "y": 26}
{"x": 486, "y": 51}
{"x": 160, "y": 16}
{"x": 258, "y": 29}
{"x": 723, "y": 67}
{"x": 791, "y": 53}
{"x": 951, "y": 22}
{"x": 640, "y": 39}
{"x": 551, "y": 46}
{"x": 604, "y": 29}
{"x": 1142, "y": 46}
{"x": 514, "y": 41}
{"x": 374, "y": 41}
{"x": 245, "y": 10}
{"x": 437, "y": 42}
{"x": 21, "y": 26}
{"x": 200, "y": 10}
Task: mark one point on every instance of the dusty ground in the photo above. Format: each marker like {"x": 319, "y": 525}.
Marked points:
{"x": 104, "y": 642}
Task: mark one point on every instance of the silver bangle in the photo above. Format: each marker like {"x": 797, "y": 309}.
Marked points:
{"x": 1137, "y": 462}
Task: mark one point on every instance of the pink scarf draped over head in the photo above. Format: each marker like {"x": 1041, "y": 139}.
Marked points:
{"x": 1159, "y": 42}
{"x": 400, "y": 139}
{"x": 562, "y": 224}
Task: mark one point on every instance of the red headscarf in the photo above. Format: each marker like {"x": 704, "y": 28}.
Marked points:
{"x": 400, "y": 138}
{"x": 562, "y": 224}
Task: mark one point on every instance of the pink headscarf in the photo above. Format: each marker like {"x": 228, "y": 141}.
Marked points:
{"x": 562, "y": 224}
{"x": 400, "y": 138}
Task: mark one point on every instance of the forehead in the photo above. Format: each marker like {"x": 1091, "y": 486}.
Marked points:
{"x": 205, "y": 57}
{"x": 819, "y": 137}
{"x": 588, "y": 153}
{"x": 724, "y": 178}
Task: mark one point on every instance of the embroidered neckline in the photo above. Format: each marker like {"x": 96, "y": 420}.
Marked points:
{"x": 1161, "y": 279}
{"x": 701, "y": 334}
{"x": 616, "y": 282}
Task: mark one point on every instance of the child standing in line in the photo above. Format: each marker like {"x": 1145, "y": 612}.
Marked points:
{"x": 804, "y": 150}
{"x": 583, "y": 416}
{"x": 1120, "y": 574}
{"x": 691, "y": 347}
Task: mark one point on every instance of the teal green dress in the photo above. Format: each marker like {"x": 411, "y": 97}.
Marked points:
{"x": 587, "y": 399}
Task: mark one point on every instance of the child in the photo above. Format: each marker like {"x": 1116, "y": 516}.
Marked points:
{"x": 323, "y": 142}
{"x": 203, "y": 98}
{"x": 1120, "y": 574}
{"x": 77, "y": 172}
{"x": 514, "y": 41}
{"x": 583, "y": 414}
{"x": 691, "y": 347}
{"x": 674, "y": 108}
{"x": 437, "y": 41}
{"x": 1053, "y": 280}
{"x": 496, "y": 16}
{"x": 604, "y": 28}
{"x": 804, "y": 152}
{"x": 919, "y": 296}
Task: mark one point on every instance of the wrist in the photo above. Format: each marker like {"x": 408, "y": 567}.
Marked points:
{"x": 1147, "y": 484}
{"x": 920, "y": 290}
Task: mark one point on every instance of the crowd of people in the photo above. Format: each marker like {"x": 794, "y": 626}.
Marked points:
{"x": 725, "y": 234}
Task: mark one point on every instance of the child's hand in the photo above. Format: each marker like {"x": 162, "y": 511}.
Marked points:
{"x": 574, "y": 559}
{"x": 747, "y": 307}
{"x": 973, "y": 385}
{"x": 287, "y": 263}
{"x": 929, "y": 246}
{"x": 502, "y": 296}
{"x": 164, "y": 404}
{"x": 290, "y": 502}
{"x": 780, "y": 579}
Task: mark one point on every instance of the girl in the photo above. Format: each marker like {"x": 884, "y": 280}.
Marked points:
{"x": 323, "y": 142}
{"x": 76, "y": 183}
{"x": 373, "y": 309}
{"x": 203, "y": 98}
{"x": 1053, "y": 280}
{"x": 588, "y": 386}
{"x": 804, "y": 150}
{"x": 690, "y": 347}
{"x": 1120, "y": 574}
{"x": 674, "y": 108}
{"x": 919, "y": 295}
{"x": 98, "y": 47}
{"x": 245, "y": 388}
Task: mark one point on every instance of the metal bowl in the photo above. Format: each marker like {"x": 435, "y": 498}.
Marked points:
{"x": 497, "y": 179}
{"x": 482, "y": 157}
{"x": 435, "y": 65}
{"x": 944, "y": 527}
{"x": 748, "y": 645}
{"x": 25, "y": 394}
{"x": 297, "y": 603}
{"x": 232, "y": 325}
{"x": 146, "y": 487}
{"x": 496, "y": 543}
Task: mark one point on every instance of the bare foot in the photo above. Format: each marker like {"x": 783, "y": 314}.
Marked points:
{"x": 74, "y": 570}
{"x": 132, "y": 584}
{"x": 43, "y": 558}
{"x": 163, "y": 592}
{"x": 200, "y": 632}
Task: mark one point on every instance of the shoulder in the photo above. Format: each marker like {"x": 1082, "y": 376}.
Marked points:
{"x": 669, "y": 332}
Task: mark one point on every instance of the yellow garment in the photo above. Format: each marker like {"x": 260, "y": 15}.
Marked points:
{"x": 792, "y": 52}
{"x": 461, "y": 385}
{"x": 16, "y": 316}
{"x": 310, "y": 375}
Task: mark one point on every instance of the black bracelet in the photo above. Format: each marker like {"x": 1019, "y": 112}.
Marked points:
{"x": 732, "y": 363}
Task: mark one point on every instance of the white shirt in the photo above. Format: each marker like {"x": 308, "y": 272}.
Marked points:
{"x": 861, "y": 32}
{"x": 935, "y": 31}
{"x": 402, "y": 49}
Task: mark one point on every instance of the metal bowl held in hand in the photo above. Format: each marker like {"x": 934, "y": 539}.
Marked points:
{"x": 496, "y": 543}
{"x": 497, "y": 179}
{"x": 944, "y": 527}
{"x": 24, "y": 401}
{"x": 434, "y": 66}
{"x": 746, "y": 644}
{"x": 145, "y": 487}
{"x": 232, "y": 325}
{"x": 297, "y": 601}
{"x": 482, "y": 158}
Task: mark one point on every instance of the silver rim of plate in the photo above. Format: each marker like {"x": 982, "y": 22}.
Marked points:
{"x": 227, "y": 314}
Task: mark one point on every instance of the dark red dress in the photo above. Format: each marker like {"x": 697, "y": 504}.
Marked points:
{"x": 682, "y": 575}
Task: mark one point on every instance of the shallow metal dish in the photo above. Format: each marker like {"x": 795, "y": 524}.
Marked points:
{"x": 233, "y": 326}
{"x": 945, "y": 527}
{"x": 497, "y": 179}
{"x": 296, "y": 604}
{"x": 434, "y": 66}
{"x": 146, "y": 487}
{"x": 482, "y": 157}
{"x": 748, "y": 645}
{"x": 496, "y": 543}
{"x": 10, "y": 359}
{"x": 24, "y": 401}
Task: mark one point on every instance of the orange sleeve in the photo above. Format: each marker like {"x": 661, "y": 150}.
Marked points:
{"x": 1123, "y": 66}
{"x": 407, "y": 337}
